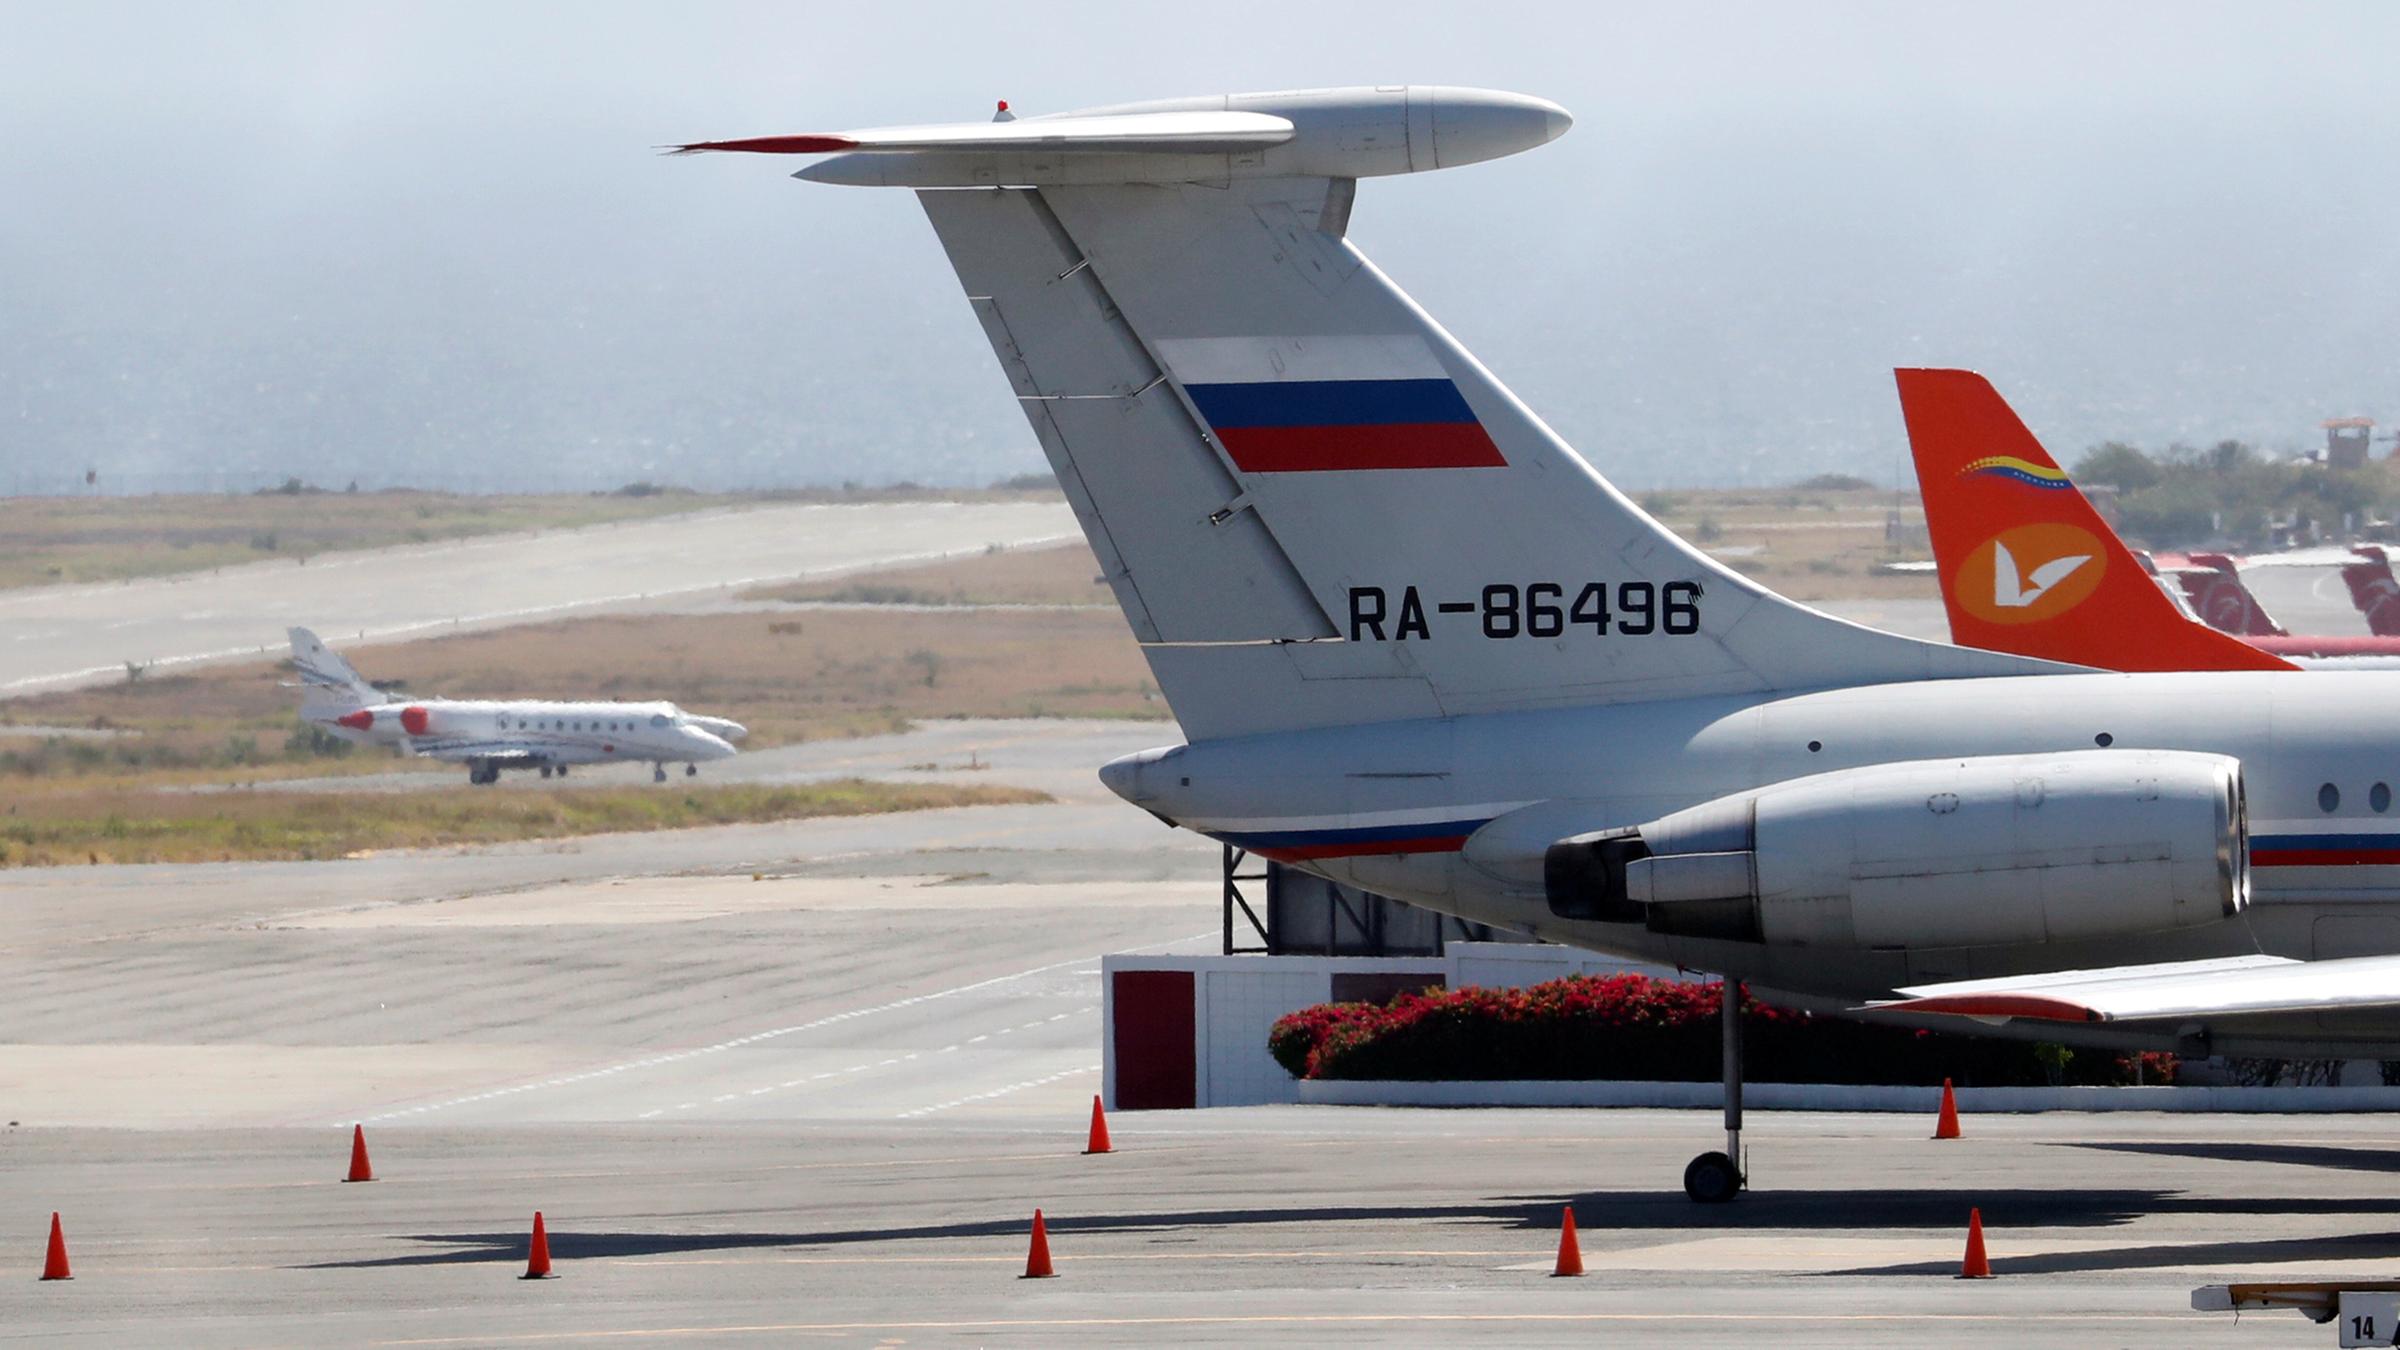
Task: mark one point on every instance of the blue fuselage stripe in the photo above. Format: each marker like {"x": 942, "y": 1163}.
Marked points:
{"x": 1377, "y": 834}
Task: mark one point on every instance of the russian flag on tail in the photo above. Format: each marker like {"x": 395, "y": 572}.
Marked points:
{"x": 1307, "y": 405}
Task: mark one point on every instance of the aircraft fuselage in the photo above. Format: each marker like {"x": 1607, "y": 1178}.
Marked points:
{"x": 1387, "y": 806}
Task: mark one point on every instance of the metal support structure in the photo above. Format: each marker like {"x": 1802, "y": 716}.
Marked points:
{"x": 1299, "y": 914}
{"x": 1714, "y": 1178}
{"x": 1730, "y": 1014}
{"x": 1234, "y": 877}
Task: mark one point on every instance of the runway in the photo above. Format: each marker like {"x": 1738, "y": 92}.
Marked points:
{"x": 58, "y": 636}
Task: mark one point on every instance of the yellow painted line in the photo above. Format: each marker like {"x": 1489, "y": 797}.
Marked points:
{"x": 2013, "y": 1317}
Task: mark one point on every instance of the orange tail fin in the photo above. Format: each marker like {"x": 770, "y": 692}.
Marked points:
{"x": 2027, "y": 565}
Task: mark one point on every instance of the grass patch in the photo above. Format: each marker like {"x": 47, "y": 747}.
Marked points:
{"x": 1808, "y": 543}
{"x": 102, "y": 825}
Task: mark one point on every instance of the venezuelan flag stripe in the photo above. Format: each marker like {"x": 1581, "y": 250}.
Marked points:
{"x": 2017, "y": 470}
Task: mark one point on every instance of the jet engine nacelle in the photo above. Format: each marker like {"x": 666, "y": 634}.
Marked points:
{"x": 2010, "y": 849}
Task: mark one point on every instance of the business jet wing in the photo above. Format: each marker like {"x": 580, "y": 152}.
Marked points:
{"x": 508, "y": 753}
{"x": 2174, "y": 992}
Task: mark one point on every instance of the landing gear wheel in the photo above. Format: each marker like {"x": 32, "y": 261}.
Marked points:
{"x": 1712, "y": 1179}
{"x": 545, "y": 771}
{"x": 691, "y": 771}
{"x": 658, "y": 773}
{"x": 562, "y": 770}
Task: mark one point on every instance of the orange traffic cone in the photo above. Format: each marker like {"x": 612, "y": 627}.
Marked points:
{"x": 54, "y": 1266}
{"x": 1037, "y": 1261}
{"x": 1099, "y": 1140}
{"x": 1977, "y": 1266}
{"x": 359, "y": 1171}
{"x": 1570, "y": 1253}
{"x": 537, "y": 1259}
{"x": 1945, "y": 1126}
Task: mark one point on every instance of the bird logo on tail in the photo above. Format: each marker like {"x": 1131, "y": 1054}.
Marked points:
{"x": 2030, "y": 573}
{"x": 2009, "y": 593}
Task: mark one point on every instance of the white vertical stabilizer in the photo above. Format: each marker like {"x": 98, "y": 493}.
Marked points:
{"x": 1317, "y": 508}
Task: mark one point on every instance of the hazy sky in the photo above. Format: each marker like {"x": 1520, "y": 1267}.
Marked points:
{"x": 432, "y": 243}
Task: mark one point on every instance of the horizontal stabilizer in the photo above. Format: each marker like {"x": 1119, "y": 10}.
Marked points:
{"x": 2176, "y": 991}
{"x": 1305, "y": 133}
{"x": 1214, "y": 133}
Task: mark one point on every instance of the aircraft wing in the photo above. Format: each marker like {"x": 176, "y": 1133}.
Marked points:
{"x": 499, "y": 752}
{"x": 2176, "y": 991}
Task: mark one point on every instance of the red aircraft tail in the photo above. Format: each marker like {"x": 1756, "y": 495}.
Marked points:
{"x": 2374, "y": 591}
{"x": 2215, "y": 588}
{"x": 2027, "y": 566}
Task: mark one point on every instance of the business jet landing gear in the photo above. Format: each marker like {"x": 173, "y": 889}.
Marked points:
{"x": 691, "y": 771}
{"x": 1714, "y": 1178}
{"x": 545, "y": 771}
{"x": 658, "y": 773}
{"x": 482, "y": 772}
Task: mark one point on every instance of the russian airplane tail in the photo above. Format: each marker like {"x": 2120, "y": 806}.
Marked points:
{"x": 2373, "y": 590}
{"x": 1314, "y": 506}
{"x": 2027, "y": 566}
{"x": 326, "y": 680}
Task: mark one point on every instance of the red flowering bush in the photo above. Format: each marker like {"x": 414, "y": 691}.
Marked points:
{"x": 1633, "y": 1027}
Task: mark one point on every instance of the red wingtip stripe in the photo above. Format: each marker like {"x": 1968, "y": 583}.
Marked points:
{"x": 773, "y": 145}
{"x": 1997, "y": 1005}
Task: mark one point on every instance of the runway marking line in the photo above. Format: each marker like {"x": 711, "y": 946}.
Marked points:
{"x": 997, "y": 1092}
{"x": 2011, "y": 1316}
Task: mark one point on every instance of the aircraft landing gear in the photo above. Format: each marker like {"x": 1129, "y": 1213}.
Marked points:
{"x": 482, "y": 772}
{"x": 658, "y": 773}
{"x": 562, "y": 770}
{"x": 1714, "y": 1178}
{"x": 545, "y": 771}
{"x": 691, "y": 771}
